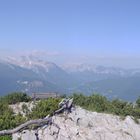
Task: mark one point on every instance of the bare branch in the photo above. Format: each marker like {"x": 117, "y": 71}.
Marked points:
{"x": 66, "y": 105}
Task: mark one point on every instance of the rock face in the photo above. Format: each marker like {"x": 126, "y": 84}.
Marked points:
{"x": 18, "y": 108}
{"x": 25, "y": 135}
{"x": 81, "y": 124}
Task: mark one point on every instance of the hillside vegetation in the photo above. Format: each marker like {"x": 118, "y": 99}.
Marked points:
{"x": 100, "y": 103}
{"x": 95, "y": 102}
{"x": 9, "y": 120}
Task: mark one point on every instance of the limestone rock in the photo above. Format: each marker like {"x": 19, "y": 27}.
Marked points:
{"x": 25, "y": 135}
{"x": 81, "y": 124}
{"x": 17, "y": 108}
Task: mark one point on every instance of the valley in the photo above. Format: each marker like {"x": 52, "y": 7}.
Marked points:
{"x": 32, "y": 75}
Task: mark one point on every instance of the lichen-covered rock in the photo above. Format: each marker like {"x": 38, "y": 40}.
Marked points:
{"x": 81, "y": 124}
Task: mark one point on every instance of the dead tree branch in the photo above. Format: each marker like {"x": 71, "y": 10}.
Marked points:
{"x": 65, "y": 104}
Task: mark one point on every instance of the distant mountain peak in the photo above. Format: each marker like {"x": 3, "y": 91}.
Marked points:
{"x": 83, "y": 67}
{"x": 30, "y": 62}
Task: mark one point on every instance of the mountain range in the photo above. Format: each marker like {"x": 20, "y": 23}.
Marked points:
{"x": 32, "y": 75}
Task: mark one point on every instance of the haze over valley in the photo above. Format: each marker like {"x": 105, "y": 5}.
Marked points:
{"x": 33, "y": 75}
{"x": 70, "y": 46}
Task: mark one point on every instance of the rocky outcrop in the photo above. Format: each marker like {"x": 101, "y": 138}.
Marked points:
{"x": 18, "y": 108}
{"x": 81, "y": 124}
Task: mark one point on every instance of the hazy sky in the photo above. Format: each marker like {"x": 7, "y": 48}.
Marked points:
{"x": 70, "y": 31}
